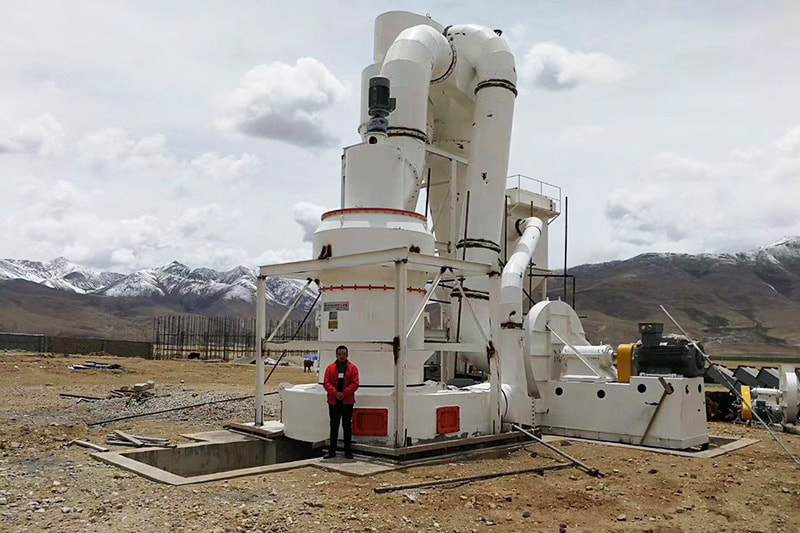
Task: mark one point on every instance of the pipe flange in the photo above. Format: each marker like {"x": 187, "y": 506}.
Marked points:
{"x": 471, "y": 294}
{"x": 504, "y": 84}
{"x": 399, "y": 131}
{"x": 479, "y": 243}
{"x": 451, "y": 67}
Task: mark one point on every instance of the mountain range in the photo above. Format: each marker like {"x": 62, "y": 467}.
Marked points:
{"x": 62, "y": 298}
{"x": 741, "y": 305}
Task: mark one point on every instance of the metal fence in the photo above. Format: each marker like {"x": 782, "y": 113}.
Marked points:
{"x": 74, "y": 345}
{"x": 224, "y": 338}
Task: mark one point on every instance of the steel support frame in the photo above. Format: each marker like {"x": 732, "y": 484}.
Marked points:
{"x": 415, "y": 261}
{"x": 261, "y": 326}
{"x": 402, "y": 260}
{"x": 401, "y": 354}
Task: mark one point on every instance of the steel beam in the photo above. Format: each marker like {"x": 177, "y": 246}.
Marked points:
{"x": 423, "y": 303}
{"x": 313, "y": 346}
{"x": 477, "y": 322}
{"x": 261, "y": 326}
{"x": 401, "y": 282}
{"x": 467, "y": 268}
{"x": 453, "y": 347}
{"x": 303, "y": 268}
{"x": 289, "y": 310}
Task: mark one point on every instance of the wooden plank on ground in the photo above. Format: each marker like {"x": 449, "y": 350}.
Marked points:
{"x": 91, "y": 446}
{"x": 130, "y": 438}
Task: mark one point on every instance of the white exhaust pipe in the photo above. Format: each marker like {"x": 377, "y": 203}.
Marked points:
{"x": 512, "y": 365}
{"x": 513, "y": 278}
{"x": 417, "y": 56}
{"x": 495, "y": 91}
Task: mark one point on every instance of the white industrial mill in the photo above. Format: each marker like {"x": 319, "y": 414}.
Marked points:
{"x": 436, "y": 114}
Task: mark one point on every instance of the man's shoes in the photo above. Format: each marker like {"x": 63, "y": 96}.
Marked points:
{"x": 332, "y": 455}
{"x": 348, "y": 455}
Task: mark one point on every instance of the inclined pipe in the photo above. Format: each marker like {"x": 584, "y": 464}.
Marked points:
{"x": 417, "y": 56}
{"x": 512, "y": 365}
{"x": 513, "y": 278}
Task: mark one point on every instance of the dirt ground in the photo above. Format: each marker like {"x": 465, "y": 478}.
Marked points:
{"x": 45, "y": 486}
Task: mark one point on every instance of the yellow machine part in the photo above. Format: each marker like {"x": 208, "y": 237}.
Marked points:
{"x": 624, "y": 362}
{"x": 748, "y": 400}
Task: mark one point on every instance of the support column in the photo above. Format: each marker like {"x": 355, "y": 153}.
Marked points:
{"x": 453, "y": 237}
{"x": 400, "y": 356}
{"x": 447, "y": 366}
{"x": 261, "y": 326}
{"x": 495, "y": 379}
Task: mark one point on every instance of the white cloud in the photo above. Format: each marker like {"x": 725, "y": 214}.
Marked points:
{"x": 105, "y": 146}
{"x": 284, "y": 255}
{"x": 581, "y": 134}
{"x": 59, "y": 224}
{"x": 737, "y": 203}
{"x": 226, "y": 168}
{"x": 42, "y": 136}
{"x": 113, "y": 150}
{"x": 308, "y": 216}
{"x": 285, "y": 103}
{"x": 555, "y": 68}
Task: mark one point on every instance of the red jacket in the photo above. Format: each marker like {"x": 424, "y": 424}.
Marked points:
{"x": 350, "y": 383}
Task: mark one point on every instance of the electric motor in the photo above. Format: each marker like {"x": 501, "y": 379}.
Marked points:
{"x": 671, "y": 354}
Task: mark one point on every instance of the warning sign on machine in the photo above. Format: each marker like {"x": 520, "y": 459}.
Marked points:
{"x": 336, "y": 306}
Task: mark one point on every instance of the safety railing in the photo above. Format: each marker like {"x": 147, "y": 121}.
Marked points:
{"x": 542, "y": 188}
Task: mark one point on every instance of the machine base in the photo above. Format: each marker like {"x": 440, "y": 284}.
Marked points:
{"x": 434, "y": 413}
{"x": 623, "y": 412}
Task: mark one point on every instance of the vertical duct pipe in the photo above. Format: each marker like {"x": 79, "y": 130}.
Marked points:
{"x": 495, "y": 91}
{"x": 417, "y": 56}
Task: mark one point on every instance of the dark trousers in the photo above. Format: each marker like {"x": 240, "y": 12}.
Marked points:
{"x": 345, "y": 414}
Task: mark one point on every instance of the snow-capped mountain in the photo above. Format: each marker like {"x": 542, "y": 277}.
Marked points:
{"x": 172, "y": 280}
{"x": 59, "y": 274}
{"x": 746, "y": 302}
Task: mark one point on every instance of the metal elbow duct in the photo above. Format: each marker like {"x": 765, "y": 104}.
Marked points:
{"x": 482, "y": 50}
{"x": 417, "y": 56}
{"x": 511, "y": 281}
{"x": 487, "y": 52}
{"x": 495, "y": 91}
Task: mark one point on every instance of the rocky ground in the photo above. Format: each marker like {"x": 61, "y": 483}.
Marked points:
{"x": 46, "y": 486}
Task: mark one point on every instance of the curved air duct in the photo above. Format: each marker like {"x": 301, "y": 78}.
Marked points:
{"x": 485, "y": 68}
{"x": 417, "y": 56}
{"x": 495, "y": 91}
{"x": 511, "y": 282}
{"x": 494, "y": 87}
{"x": 512, "y": 366}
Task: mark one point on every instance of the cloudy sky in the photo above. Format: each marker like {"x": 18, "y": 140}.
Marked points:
{"x": 136, "y": 133}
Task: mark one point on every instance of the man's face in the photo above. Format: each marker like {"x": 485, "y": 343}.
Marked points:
{"x": 341, "y": 355}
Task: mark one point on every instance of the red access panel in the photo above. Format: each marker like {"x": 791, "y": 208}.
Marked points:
{"x": 374, "y": 422}
{"x": 448, "y": 420}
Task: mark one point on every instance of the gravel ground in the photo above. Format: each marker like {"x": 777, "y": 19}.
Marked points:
{"x": 46, "y": 486}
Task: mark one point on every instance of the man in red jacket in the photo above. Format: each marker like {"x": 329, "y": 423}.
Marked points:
{"x": 341, "y": 383}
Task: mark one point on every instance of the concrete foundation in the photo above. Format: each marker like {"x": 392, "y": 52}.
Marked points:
{"x": 224, "y": 455}
{"x": 233, "y": 456}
